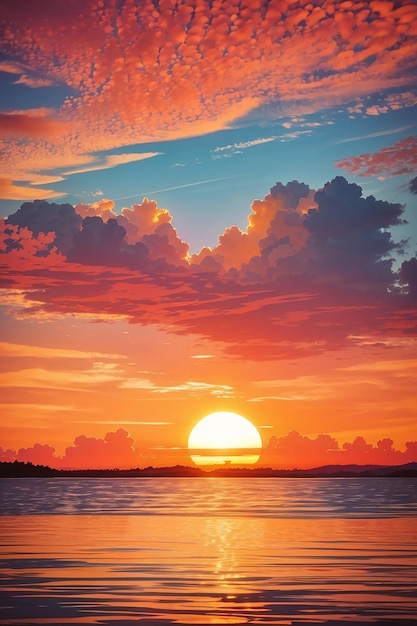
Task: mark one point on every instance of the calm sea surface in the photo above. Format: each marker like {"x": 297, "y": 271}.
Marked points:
{"x": 163, "y": 551}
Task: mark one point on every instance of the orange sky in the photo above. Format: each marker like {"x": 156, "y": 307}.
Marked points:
{"x": 118, "y": 332}
{"x": 151, "y": 344}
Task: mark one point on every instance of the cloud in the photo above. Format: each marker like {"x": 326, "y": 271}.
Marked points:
{"x": 408, "y": 277}
{"x": 381, "y": 133}
{"x": 394, "y": 160}
{"x": 42, "y": 217}
{"x": 29, "y": 125}
{"x": 119, "y": 450}
{"x": 10, "y": 191}
{"x": 113, "y": 160}
{"x": 45, "y": 179}
{"x": 302, "y": 451}
{"x": 243, "y": 145}
{"x": 383, "y": 103}
{"x": 190, "y": 387}
{"x": 39, "y": 454}
{"x": 399, "y": 367}
{"x": 311, "y": 271}
{"x": 41, "y": 378}
{"x": 412, "y": 186}
{"x": 142, "y": 73}
{"x": 115, "y": 450}
{"x": 25, "y": 78}
{"x": 194, "y": 184}
{"x": 33, "y": 81}
{"x": 25, "y": 351}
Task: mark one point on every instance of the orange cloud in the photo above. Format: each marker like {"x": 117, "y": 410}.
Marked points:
{"x": 161, "y": 71}
{"x": 308, "y": 452}
{"x": 113, "y": 160}
{"x": 394, "y": 160}
{"x": 311, "y": 272}
{"x": 25, "y": 75}
{"x": 10, "y": 191}
{"x": 24, "y": 125}
{"x": 119, "y": 450}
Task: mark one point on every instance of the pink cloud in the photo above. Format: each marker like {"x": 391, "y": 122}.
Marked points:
{"x": 119, "y": 450}
{"x": 115, "y": 450}
{"x": 125, "y": 64}
{"x": 24, "y": 125}
{"x": 393, "y": 160}
{"x": 25, "y": 77}
{"x": 322, "y": 257}
{"x": 38, "y": 454}
{"x": 302, "y": 451}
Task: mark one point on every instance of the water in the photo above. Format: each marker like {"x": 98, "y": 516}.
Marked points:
{"x": 165, "y": 551}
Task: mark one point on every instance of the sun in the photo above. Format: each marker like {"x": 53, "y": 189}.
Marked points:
{"x": 224, "y": 438}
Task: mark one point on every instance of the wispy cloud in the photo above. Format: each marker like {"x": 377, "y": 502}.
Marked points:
{"x": 41, "y": 378}
{"x": 190, "y": 387}
{"x": 381, "y": 133}
{"x": 28, "y": 406}
{"x": 23, "y": 350}
{"x": 25, "y": 77}
{"x": 403, "y": 365}
{"x": 10, "y": 191}
{"x": 243, "y": 145}
{"x": 199, "y": 182}
{"x": 113, "y": 160}
{"x": 128, "y": 422}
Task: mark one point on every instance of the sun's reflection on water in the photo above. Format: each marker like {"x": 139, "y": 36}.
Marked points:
{"x": 206, "y": 567}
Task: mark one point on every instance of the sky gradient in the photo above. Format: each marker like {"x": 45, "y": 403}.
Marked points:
{"x": 208, "y": 206}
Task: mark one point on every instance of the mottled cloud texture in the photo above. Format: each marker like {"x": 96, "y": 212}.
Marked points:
{"x": 119, "y": 450}
{"x": 312, "y": 272}
{"x": 120, "y": 63}
{"x": 393, "y": 160}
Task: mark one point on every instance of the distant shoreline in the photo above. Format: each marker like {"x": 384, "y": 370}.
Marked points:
{"x": 17, "y": 469}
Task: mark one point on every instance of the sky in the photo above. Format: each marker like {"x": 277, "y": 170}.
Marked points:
{"x": 208, "y": 206}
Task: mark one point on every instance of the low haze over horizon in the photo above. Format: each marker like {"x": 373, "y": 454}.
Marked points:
{"x": 208, "y": 206}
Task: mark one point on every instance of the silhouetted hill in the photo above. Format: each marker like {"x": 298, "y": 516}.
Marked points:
{"x": 17, "y": 469}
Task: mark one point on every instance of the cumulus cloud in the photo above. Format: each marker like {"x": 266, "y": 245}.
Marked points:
{"x": 302, "y": 451}
{"x": 38, "y": 454}
{"x": 116, "y": 450}
{"x": 42, "y": 217}
{"x": 119, "y": 450}
{"x": 350, "y": 232}
{"x": 312, "y": 269}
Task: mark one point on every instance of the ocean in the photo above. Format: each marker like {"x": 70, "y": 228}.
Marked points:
{"x": 173, "y": 551}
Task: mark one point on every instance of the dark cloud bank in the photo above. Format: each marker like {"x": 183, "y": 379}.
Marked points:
{"x": 312, "y": 271}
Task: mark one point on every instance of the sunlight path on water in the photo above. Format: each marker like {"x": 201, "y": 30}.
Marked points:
{"x": 212, "y": 564}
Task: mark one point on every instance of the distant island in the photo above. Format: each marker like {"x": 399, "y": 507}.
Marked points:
{"x": 18, "y": 469}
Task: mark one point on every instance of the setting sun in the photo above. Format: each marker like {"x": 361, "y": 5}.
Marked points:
{"x": 224, "y": 438}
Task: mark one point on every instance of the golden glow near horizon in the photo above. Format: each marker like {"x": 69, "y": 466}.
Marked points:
{"x": 224, "y": 438}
